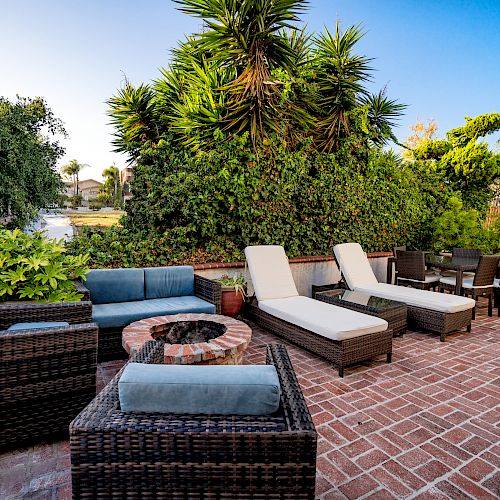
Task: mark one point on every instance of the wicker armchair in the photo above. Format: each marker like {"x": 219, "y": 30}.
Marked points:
{"x": 481, "y": 284}
{"x": 125, "y": 455}
{"x": 47, "y": 375}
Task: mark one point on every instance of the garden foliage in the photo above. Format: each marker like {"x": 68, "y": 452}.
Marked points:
{"x": 468, "y": 165}
{"x": 261, "y": 133}
{"x": 209, "y": 206}
{"x": 34, "y": 268}
{"x": 28, "y": 156}
{"x": 458, "y": 227}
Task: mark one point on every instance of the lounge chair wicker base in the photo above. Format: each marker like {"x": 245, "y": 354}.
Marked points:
{"x": 341, "y": 353}
{"x": 439, "y": 322}
{"x": 139, "y": 455}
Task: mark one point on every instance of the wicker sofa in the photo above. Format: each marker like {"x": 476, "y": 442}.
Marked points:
{"x": 122, "y": 296}
{"x": 115, "y": 454}
{"x": 341, "y": 336}
{"x": 47, "y": 375}
{"x": 437, "y": 312}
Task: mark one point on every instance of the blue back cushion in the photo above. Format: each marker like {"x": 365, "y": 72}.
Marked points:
{"x": 225, "y": 390}
{"x": 173, "y": 281}
{"x": 115, "y": 285}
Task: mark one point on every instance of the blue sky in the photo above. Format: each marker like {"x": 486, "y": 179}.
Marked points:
{"x": 441, "y": 58}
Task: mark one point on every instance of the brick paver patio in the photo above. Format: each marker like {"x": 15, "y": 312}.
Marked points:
{"x": 426, "y": 426}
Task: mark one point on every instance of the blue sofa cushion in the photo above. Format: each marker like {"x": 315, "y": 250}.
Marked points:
{"x": 121, "y": 314}
{"x": 174, "y": 281}
{"x": 188, "y": 389}
{"x": 115, "y": 285}
{"x": 40, "y": 324}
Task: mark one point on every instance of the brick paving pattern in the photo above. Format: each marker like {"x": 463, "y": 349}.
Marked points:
{"x": 425, "y": 426}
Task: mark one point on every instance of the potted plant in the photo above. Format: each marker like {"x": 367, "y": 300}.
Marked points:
{"x": 233, "y": 294}
{"x": 33, "y": 268}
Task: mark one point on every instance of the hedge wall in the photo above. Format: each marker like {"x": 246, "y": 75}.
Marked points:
{"x": 208, "y": 207}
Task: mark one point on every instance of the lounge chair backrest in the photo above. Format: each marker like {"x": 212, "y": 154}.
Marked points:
{"x": 270, "y": 272}
{"x": 354, "y": 266}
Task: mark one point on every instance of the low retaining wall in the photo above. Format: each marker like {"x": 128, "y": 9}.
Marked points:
{"x": 306, "y": 271}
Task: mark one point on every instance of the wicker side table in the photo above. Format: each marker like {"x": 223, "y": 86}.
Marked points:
{"x": 393, "y": 312}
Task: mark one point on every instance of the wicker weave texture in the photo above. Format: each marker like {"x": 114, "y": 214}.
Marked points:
{"x": 208, "y": 290}
{"x": 340, "y": 353}
{"x": 46, "y": 377}
{"x": 127, "y": 455}
{"x": 435, "y": 321}
{"x": 17, "y": 312}
{"x": 466, "y": 253}
{"x": 483, "y": 282}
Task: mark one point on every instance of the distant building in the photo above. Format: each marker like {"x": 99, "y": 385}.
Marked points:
{"x": 87, "y": 189}
{"x": 126, "y": 175}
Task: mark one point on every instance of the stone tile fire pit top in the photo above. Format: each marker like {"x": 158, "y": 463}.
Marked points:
{"x": 226, "y": 338}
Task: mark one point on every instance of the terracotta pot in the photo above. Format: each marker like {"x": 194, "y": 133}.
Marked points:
{"x": 231, "y": 302}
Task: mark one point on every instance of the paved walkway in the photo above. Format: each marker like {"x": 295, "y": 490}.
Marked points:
{"x": 425, "y": 426}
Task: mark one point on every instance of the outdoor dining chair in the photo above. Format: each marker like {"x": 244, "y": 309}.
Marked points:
{"x": 410, "y": 267}
{"x": 480, "y": 285}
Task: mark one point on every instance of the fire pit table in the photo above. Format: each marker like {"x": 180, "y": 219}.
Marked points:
{"x": 205, "y": 339}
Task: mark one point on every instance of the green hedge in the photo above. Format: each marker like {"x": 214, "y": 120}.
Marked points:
{"x": 210, "y": 206}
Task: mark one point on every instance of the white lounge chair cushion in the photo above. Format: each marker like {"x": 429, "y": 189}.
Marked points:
{"x": 434, "y": 301}
{"x": 354, "y": 265}
{"x": 327, "y": 320}
{"x": 497, "y": 282}
{"x": 270, "y": 272}
{"x": 467, "y": 282}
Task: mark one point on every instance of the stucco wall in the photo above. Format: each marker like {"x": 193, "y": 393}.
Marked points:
{"x": 305, "y": 274}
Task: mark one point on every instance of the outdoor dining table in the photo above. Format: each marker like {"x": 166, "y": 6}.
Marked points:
{"x": 458, "y": 264}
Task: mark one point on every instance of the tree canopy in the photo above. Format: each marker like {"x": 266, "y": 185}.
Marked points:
{"x": 29, "y": 151}
{"x": 469, "y": 165}
{"x": 254, "y": 69}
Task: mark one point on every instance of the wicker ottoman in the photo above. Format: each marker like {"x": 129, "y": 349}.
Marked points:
{"x": 139, "y": 455}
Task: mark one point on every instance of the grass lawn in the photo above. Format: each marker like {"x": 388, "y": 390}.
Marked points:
{"x": 100, "y": 219}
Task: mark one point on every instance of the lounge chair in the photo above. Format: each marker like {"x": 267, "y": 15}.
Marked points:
{"x": 342, "y": 336}
{"x": 437, "y": 312}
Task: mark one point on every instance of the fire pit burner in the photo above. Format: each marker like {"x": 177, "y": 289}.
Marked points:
{"x": 189, "y": 332}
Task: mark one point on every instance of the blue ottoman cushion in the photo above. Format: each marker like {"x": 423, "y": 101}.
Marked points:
{"x": 39, "y": 324}
{"x": 174, "y": 281}
{"x": 115, "y": 285}
{"x": 188, "y": 389}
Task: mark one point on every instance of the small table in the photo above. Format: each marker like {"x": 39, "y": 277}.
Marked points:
{"x": 392, "y": 311}
{"x": 458, "y": 264}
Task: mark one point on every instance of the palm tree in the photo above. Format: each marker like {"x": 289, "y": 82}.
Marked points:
{"x": 112, "y": 175}
{"x": 246, "y": 35}
{"x": 133, "y": 114}
{"x": 72, "y": 169}
{"x": 341, "y": 75}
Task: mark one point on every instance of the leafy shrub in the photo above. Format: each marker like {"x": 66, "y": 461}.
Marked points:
{"x": 32, "y": 267}
{"x": 75, "y": 201}
{"x": 95, "y": 204}
{"x": 207, "y": 207}
{"x": 459, "y": 227}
